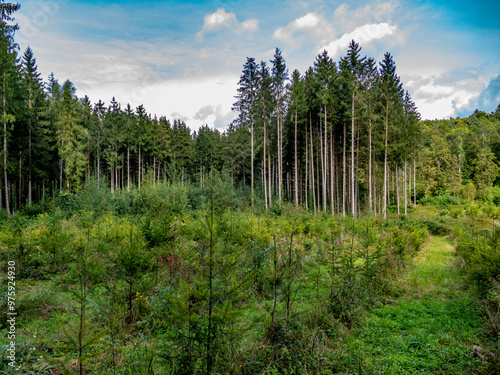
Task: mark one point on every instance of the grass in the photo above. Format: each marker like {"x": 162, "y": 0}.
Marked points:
{"x": 430, "y": 329}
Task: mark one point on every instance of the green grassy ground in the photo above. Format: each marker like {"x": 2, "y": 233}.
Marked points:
{"x": 430, "y": 329}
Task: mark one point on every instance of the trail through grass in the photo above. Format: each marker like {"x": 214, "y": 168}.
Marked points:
{"x": 430, "y": 329}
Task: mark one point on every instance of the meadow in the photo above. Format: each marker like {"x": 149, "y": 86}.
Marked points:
{"x": 182, "y": 279}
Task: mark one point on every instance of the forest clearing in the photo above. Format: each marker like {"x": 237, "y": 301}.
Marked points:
{"x": 221, "y": 290}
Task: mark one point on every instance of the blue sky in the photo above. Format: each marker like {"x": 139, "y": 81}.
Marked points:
{"x": 183, "y": 59}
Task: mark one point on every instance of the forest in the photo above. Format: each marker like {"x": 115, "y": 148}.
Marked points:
{"x": 327, "y": 230}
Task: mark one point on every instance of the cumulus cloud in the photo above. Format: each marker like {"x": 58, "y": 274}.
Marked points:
{"x": 215, "y": 115}
{"x": 436, "y": 97}
{"x": 364, "y": 35}
{"x": 348, "y": 19}
{"x": 222, "y": 19}
{"x": 250, "y": 25}
{"x": 487, "y": 100}
{"x": 311, "y": 24}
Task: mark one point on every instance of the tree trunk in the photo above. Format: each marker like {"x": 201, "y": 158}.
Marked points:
{"x": 295, "y": 166}
{"x": 270, "y": 182}
{"x": 128, "y": 167}
{"x": 415, "y": 182}
{"x": 344, "y": 175}
{"x": 384, "y": 206}
{"x": 325, "y": 175}
{"x": 139, "y": 169}
{"x": 405, "y": 191}
{"x": 264, "y": 169}
{"x": 323, "y": 166}
{"x": 312, "y": 167}
{"x": 29, "y": 163}
{"x": 332, "y": 172}
{"x": 306, "y": 195}
{"x": 252, "y": 168}
{"x": 353, "y": 195}
{"x": 370, "y": 190}
{"x": 397, "y": 188}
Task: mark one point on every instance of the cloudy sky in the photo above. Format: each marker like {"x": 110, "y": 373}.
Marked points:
{"x": 183, "y": 59}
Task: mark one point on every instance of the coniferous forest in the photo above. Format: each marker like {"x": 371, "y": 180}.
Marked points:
{"x": 328, "y": 229}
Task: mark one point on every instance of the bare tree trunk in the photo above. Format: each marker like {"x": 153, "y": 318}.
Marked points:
{"x": 353, "y": 196}
{"x": 405, "y": 191}
{"x": 312, "y": 166}
{"x": 325, "y": 175}
{"x": 252, "y": 167}
{"x": 29, "y": 163}
{"x": 415, "y": 182}
{"x": 296, "y": 166}
{"x": 332, "y": 172}
{"x": 370, "y": 190}
{"x": 112, "y": 179}
{"x": 307, "y": 173}
{"x": 344, "y": 175}
{"x": 397, "y": 187}
{"x": 264, "y": 169}
{"x": 384, "y": 207}
{"x": 270, "y": 184}
{"x": 323, "y": 166}
{"x": 128, "y": 167}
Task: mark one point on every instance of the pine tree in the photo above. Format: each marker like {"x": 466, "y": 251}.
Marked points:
{"x": 265, "y": 108}
{"x": 279, "y": 78}
{"x": 37, "y": 125}
{"x": 71, "y": 138}
{"x": 391, "y": 93}
{"x": 9, "y": 73}
{"x": 246, "y": 105}
{"x": 298, "y": 113}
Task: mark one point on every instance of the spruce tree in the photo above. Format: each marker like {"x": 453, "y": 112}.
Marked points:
{"x": 9, "y": 73}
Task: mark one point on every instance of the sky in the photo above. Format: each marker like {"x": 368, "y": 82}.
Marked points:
{"x": 183, "y": 59}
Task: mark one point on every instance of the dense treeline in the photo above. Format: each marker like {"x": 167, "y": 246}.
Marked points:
{"x": 343, "y": 137}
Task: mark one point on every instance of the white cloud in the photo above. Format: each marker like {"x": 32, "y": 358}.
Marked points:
{"x": 250, "y": 25}
{"x": 363, "y": 35}
{"x": 222, "y": 19}
{"x": 347, "y": 19}
{"x": 294, "y": 33}
{"x": 436, "y": 98}
{"x": 219, "y": 19}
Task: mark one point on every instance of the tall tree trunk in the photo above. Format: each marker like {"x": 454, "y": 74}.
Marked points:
{"x": 325, "y": 175}
{"x": 61, "y": 171}
{"x": 312, "y": 166}
{"x": 29, "y": 162}
{"x": 332, "y": 173}
{"x": 112, "y": 179}
{"x": 252, "y": 167}
{"x": 264, "y": 169}
{"x": 306, "y": 195}
{"x": 384, "y": 207}
{"x": 139, "y": 169}
{"x": 295, "y": 166}
{"x": 344, "y": 174}
{"x": 20, "y": 189}
{"x": 415, "y": 182}
{"x": 353, "y": 195}
{"x": 370, "y": 190}
{"x": 356, "y": 186}
{"x": 323, "y": 166}
{"x": 98, "y": 161}
{"x": 279, "y": 159}
{"x": 128, "y": 167}
{"x": 397, "y": 188}
{"x": 405, "y": 191}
